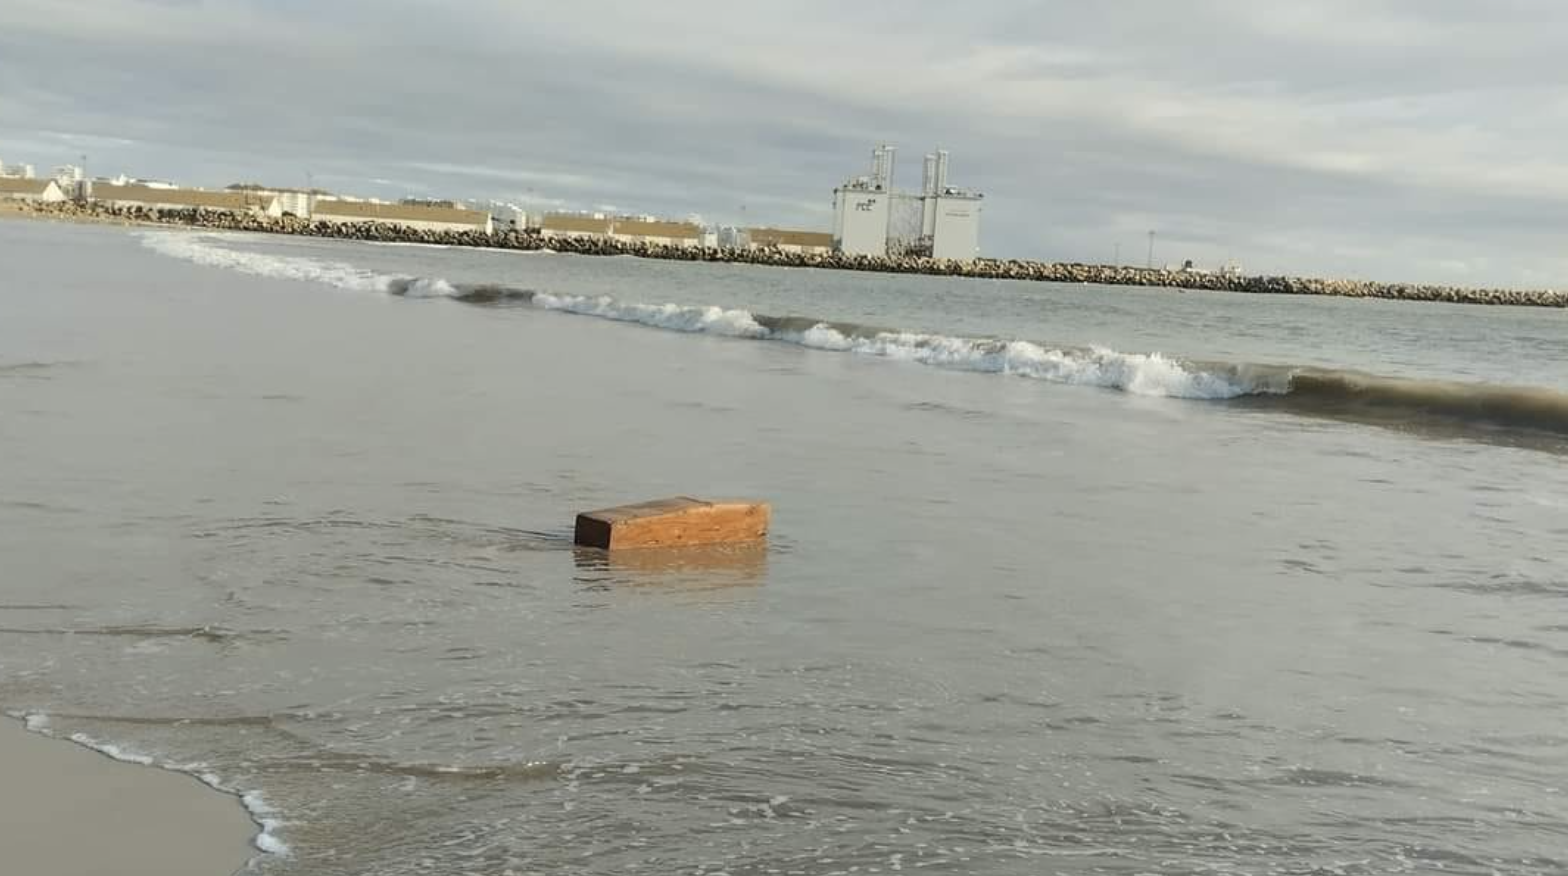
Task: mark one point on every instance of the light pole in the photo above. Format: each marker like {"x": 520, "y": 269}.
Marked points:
{"x": 1150, "y": 264}
{"x": 1118, "y": 260}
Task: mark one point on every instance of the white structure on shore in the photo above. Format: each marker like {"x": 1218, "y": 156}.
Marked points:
{"x": 73, "y": 181}
{"x": 146, "y": 197}
{"x": 862, "y": 207}
{"x": 421, "y": 217}
{"x": 296, "y": 202}
{"x": 864, "y": 210}
{"x": 35, "y": 191}
{"x": 949, "y": 217}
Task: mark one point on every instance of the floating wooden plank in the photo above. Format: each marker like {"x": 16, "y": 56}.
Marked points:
{"x": 676, "y": 522}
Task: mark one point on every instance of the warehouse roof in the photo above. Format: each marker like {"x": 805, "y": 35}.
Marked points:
{"x": 643, "y": 228}
{"x": 787, "y": 237}
{"x": 182, "y": 197}
{"x": 10, "y": 185}
{"x": 328, "y": 209}
{"x": 575, "y": 222}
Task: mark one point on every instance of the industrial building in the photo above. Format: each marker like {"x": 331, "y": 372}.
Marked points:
{"x": 73, "y": 181}
{"x": 575, "y": 225}
{"x": 787, "y": 240}
{"x": 862, "y": 208}
{"x": 417, "y": 216}
{"x": 135, "y": 195}
{"x": 295, "y": 202}
{"x": 871, "y": 218}
{"x": 657, "y": 231}
{"x": 35, "y": 191}
{"x": 623, "y": 229}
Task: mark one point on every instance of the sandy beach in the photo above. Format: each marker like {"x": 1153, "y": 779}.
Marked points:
{"x": 66, "y": 810}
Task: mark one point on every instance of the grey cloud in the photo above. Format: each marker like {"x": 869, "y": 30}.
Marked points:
{"x": 1387, "y": 138}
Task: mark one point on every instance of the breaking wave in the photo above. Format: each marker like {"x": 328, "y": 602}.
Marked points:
{"x": 1462, "y": 409}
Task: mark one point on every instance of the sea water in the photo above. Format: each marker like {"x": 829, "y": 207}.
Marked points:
{"x": 1062, "y": 579}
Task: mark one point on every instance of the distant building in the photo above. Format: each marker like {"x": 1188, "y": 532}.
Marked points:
{"x": 417, "y": 216}
{"x": 955, "y": 226}
{"x": 862, "y": 208}
{"x": 35, "y": 191}
{"x": 786, "y": 240}
{"x": 295, "y": 202}
{"x": 656, "y": 231}
{"x": 731, "y": 237}
{"x": 640, "y": 229}
{"x": 575, "y": 225}
{"x": 73, "y": 181}
{"x": 870, "y": 218}
{"x": 150, "y": 197}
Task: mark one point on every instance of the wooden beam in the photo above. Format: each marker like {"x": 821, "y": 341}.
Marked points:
{"x": 675, "y": 522}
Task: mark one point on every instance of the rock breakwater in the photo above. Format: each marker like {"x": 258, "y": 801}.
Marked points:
{"x": 990, "y": 269}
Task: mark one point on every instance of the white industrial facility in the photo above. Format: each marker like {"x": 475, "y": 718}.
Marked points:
{"x": 870, "y": 218}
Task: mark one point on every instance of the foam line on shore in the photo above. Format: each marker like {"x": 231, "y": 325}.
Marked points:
{"x": 267, "y": 819}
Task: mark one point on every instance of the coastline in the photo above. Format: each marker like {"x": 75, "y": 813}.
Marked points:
{"x": 66, "y": 809}
{"x": 983, "y": 269}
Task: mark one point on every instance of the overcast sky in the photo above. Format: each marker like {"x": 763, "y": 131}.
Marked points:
{"x": 1394, "y": 139}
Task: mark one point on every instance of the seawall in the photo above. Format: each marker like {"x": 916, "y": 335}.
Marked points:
{"x": 1011, "y": 269}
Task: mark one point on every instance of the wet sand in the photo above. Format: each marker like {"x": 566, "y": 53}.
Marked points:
{"x": 66, "y": 810}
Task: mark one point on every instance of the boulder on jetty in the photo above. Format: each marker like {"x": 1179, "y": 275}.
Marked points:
{"x": 676, "y": 522}
{"x": 986, "y": 269}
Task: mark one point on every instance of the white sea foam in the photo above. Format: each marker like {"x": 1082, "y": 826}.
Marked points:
{"x": 112, "y": 751}
{"x": 1136, "y": 373}
{"x": 675, "y": 317}
{"x": 1148, "y": 374}
{"x": 266, "y": 817}
{"x": 198, "y": 248}
{"x": 428, "y": 287}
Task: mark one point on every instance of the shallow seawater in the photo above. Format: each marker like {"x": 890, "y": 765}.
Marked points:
{"x": 263, "y": 519}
